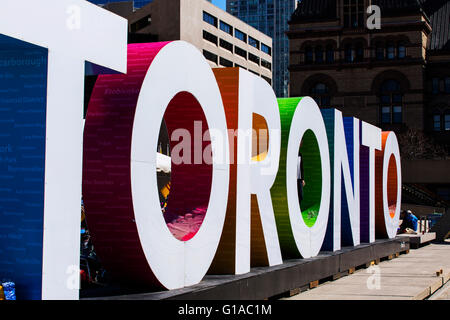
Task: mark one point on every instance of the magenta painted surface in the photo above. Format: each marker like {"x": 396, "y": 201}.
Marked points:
{"x": 191, "y": 180}
{"x": 185, "y": 227}
{"x": 106, "y": 168}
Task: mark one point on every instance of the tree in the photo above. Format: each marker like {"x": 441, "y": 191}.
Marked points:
{"x": 415, "y": 145}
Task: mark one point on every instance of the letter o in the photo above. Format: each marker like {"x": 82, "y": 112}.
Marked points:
{"x": 121, "y": 137}
{"x": 307, "y": 116}
{"x": 391, "y": 148}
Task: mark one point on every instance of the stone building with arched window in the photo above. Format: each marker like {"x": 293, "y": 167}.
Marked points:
{"x": 396, "y": 77}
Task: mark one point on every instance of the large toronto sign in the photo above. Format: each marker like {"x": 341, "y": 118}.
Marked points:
{"x": 238, "y": 177}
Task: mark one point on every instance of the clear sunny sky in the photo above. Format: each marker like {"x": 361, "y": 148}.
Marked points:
{"x": 220, "y": 3}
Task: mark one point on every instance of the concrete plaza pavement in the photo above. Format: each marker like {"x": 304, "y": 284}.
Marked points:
{"x": 442, "y": 294}
{"x": 422, "y": 273}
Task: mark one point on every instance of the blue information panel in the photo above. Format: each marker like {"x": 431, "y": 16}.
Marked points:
{"x": 23, "y": 90}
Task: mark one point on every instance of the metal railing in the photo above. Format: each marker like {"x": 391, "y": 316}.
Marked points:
{"x": 425, "y": 223}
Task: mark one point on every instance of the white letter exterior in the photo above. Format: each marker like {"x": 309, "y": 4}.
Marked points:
{"x": 371, "y": 137}
{"x": 256, "y": 96}
{"x": 99, "y": 37}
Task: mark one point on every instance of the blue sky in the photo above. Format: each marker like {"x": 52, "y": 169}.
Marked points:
{"x": 220, "y": 4}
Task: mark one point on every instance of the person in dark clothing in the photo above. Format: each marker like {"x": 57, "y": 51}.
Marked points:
{"x": 300, "y": 177}
{"x": 409, "y": 221}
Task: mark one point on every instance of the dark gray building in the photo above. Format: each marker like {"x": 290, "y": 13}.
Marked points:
{"x": 270, "y": 17}
{"x": 396, "y": 77}
{"x": 137, "y": 3}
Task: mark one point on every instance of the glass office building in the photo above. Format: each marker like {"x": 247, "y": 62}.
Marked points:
{"x": 137, "y": 3}
{"x": 270, "y": 17}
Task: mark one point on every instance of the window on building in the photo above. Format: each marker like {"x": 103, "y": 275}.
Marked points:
{"x": 346, "y": 17}
{"x": 210, "y": 56}
{"x": 354, "y": 14}
{"x": 240, "y": 35}
{"x": 253, "y": 58}
{"x": 240, "y": 52}
{"x": 401, "y": 51}
{"x": 391, "y": 102}
{"x": 379, "y": 51}
{"x": 447, "y": 84}
{"x": 226, "y": 45}
{"x": 359, "y": 52}
{"x": 385, "y": 114}
{"x": 253, "y": 42}
{"x": 330, "y": 54}
{"x": 436, "y": 122}
{"x": 321, "y": 93}
{"x": 141, "y": 23}
{"x": 266, "y": 49}
{"x": 226, "y": 63}
{"x": 348, "y": 51}
{"x": 209, "y": 37}
{"x": 225, "y": 27}
{"x": 239, "y": 66}
{"x": 267, "y": 79}
{"x": 209, "y": 18}
{"x": 435, "y": 84}
{"x": 309, "y": 55}
{"x": 319, "y": 54}
{"x": 390, "y": 52}
{"x": 137, "y": 3}
{"x": 447, "y": 120}
{"x": 266, "y": 64}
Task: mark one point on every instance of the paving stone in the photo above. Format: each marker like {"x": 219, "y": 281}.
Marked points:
{"x": 410, "y": 276}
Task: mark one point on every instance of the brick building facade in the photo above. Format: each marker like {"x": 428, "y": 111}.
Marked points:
{"x": 396, "y": 77}
{"x": 382, "y": 76}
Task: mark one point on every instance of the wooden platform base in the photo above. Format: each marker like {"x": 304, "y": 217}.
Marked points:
{"x": 418, "y": 240}
{"x": 268, "y": 282}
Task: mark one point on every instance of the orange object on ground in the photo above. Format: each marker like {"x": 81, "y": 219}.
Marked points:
{"x": 2, "y": 294}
